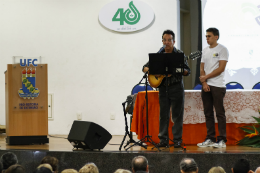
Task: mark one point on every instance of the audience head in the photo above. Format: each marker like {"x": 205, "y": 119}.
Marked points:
{"x": 122, "y": 171}
{"x": 257, "y": 170}
{"x": 15, "y": 169}
{"x": 188, "y": 165}
{"x": 53, "y": 161}
{"x": 42, "y": 170}
{"x": 46, "y": 165}
{"x": 217, "y": 169}
{"x": 1, "y": 167}
{"x": 140, "y": 163}
{"x": 8, "y": 159}
{"x": 89, "y": 168}
{"x": 241, "y": 166}
{"x": 69, "y": 171}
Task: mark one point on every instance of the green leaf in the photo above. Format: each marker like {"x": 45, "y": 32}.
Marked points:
{"x": 255, "y": 146}
{"x": 257, "y": 119}
{"x": 249, "y": 141}
{"x": 247, "y": 130}
{"x": 243, "y": 141}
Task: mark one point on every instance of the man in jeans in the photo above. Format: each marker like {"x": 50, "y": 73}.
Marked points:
{"x": 174, "y": 99}
{"x": 212, "y": 71}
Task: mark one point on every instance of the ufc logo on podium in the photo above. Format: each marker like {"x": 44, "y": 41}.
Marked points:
{"x": 24, "y": 62}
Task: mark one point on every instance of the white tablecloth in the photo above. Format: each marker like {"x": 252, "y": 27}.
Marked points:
{"x": 240, "y": 106}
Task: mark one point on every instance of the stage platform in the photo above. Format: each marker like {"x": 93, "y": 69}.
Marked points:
{"x": 110, "y": 158}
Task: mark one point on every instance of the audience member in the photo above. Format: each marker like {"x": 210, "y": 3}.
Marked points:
{"x": 53, "y": 161}
{"x": 122, "y": 171}
{"x": 188, "y": 165}
{"x": 1, "y": 167}
{"x": 242, "y": 166}
{"x": 42, "y": 170}
{"x": 140, "y": 164}
{"x": 217, "y": 169}
{"x": 8, "y": 159}
{"x": 257, "y": 170}
{"x": 15, "y": 169}
{"x": 46, "y": 165}
{"x": 69, "y": 171}
{"x": 89, "y": 168}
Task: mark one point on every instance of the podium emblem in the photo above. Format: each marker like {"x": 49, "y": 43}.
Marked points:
{"x": 28, "y": 90}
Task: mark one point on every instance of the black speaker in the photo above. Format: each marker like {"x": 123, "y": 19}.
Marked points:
{"x": 88, "y": 135}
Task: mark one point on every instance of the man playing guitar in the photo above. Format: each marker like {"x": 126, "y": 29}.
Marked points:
{"x": 174, "y": 99}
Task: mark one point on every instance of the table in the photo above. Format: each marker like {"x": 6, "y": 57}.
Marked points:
{"x": 240, "y": 106}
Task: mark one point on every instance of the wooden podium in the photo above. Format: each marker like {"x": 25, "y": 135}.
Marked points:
{"x": 26, "y": 104}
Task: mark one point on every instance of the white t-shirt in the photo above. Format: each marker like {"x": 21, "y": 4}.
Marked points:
{"x": 211, "y": 58}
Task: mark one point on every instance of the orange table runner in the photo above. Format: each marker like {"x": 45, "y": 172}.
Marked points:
{"x": 192, "y": 133}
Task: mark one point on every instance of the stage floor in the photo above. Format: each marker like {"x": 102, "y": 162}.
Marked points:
{"x": 60, "y": 143}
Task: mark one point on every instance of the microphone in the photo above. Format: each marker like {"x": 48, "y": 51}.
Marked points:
{"x": 162, "y": 49}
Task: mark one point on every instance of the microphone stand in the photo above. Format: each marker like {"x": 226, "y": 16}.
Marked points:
{"x": 147, "y": 138}
{"x": 131, "y": 140}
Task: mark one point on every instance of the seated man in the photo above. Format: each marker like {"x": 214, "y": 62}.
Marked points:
{"x": 188, "y": 165}
{"x": 140, "y": 164}
{"x": 8, "y": 159}
{"x": 242, "y": 166}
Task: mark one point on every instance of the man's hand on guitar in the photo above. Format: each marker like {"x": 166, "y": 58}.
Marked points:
{"x": 145, "y": 69}
{"x": 205, "y": 87}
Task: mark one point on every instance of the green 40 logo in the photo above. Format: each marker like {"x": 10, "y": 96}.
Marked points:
{"x": 131, "y": 17}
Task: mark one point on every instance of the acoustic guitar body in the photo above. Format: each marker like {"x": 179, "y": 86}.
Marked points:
{"x": 154, "y": 81}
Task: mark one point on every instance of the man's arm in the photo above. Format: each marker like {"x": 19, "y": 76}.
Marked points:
{"x": 217, "y": 72}
{"x": 202, "y": 72}
{"x": 186, "y": 71}
{"x": 205, "y": 86}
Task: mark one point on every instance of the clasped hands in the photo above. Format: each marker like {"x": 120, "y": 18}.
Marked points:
{"x": 205, "y": 86}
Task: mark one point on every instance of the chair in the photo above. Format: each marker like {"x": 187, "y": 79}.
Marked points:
{"x": 140, "y": 87}
{"x": 234, "y": 85}
{"x": 198, "y": 87}
{"x": 256, "y": 86}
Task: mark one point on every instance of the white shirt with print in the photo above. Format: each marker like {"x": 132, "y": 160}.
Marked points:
{"x": 211, "y": 58}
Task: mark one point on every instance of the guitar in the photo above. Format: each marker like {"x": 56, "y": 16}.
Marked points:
{"x": 155, "y": 81}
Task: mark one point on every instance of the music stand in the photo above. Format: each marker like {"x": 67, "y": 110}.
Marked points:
{"x": 166, "y": 64}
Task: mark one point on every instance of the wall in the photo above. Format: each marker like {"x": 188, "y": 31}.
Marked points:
{"x": 91, "y": 69}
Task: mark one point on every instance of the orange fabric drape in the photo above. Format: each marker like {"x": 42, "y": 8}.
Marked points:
{"x": 192, "y": 133}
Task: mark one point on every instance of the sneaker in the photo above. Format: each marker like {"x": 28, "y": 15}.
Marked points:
{"x": 220, "y": 144}
{"x": 206, "y": 143}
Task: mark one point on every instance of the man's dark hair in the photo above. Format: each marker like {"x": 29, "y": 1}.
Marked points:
{"x": 53, "y": 161}
{"x": 169, "y": 32}
{"x": 214, "y": 31}
{"x": 241, "y": 166}
{"x": 42, "y": 170}
{"x": 15, "y": 169}
{"x": 188, "y": 165}
{"x": 139, "y": 163}
{"x": 8, "y": 159}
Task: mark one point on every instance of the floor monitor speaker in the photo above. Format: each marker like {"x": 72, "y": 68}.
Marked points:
{"x": 88, "y": 135}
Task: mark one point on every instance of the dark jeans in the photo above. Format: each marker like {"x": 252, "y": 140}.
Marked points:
{"x": 214, "y": 98}
{"x": 175, "y": 100}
